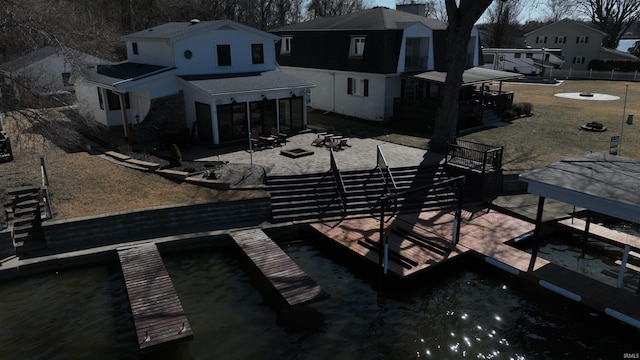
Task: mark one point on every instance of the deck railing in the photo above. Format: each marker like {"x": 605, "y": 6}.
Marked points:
{"x": 342, "y": 190}
{"x": 475, "y": 156}
{"x": 381, "y": 163}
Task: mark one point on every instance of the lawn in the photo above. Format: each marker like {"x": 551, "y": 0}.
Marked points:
{"x": 83, "y": 184}
{"x": 551, "y": 134}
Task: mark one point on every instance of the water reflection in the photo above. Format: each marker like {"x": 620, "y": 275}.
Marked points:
{"x": 463, "y": 310}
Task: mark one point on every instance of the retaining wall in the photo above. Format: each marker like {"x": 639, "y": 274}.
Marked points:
{"x": 86, "y": 232}
{"x": 6, "y": 244}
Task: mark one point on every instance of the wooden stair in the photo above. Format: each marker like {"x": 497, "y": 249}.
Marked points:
{"x": 24, "y": 212}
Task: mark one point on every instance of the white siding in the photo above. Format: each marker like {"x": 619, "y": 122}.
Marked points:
{"x": 87, "y": 98}
{"x": 330, "y": 93}
{"x": 204, "y": 57}
{"x": 151, "y": 52}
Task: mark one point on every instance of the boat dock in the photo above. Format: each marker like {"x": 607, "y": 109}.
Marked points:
{"x": 157, "y": 312}
{"x": 293, "y": 284}
{"x": 413, "y": 241}
{"x": 420, "y": 241}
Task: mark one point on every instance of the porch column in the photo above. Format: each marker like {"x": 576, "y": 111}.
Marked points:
{"x": 585, "y": 236}
{"x": 536, "y": 233}
{"x": 125, "y": 116}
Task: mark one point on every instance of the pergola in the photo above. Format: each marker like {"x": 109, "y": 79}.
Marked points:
{"x": 601, "y": 183}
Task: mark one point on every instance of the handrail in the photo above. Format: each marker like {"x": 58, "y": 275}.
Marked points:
{"x": 479, "y": 153}
{"x": 342, "y": 190}
{"x": 381, "y": 163}
{"x": 383, "y": 252}
{"x": 45, "y": 189}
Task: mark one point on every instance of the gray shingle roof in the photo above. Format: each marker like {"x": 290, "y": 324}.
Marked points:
{"x": 246, "y": 82}
{"x": 113, "y": 73}
{"x": 378, "y": 18}
{"x": 170, "y": 30}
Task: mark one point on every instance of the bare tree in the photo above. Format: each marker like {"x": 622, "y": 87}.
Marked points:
{"x": 462, "y": 15}
{"x": 319, "y": 8}
{"x": 614, "y": 17}
{"x": 557, "y": 10}
{"x": 502, "y": 27}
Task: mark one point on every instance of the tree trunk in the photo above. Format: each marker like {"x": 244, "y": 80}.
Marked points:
{"x": 461, "y": 21}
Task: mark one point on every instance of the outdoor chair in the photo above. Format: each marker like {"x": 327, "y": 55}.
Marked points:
{"x": 281, "y": 139}
{"x": 320, "y": 140}
{"x": 335, "y": 145}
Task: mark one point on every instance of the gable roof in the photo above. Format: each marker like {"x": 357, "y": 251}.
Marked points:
{"x": 575, "y": 23}
{"x": 28, "y": 59}
{"x": 378, "y": 18}
{"x": 173, "y": 31}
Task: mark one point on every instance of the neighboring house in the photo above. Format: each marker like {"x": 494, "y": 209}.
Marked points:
{"x": 580, "y": 44}
{"x": 363, "y": 63}
{"x": 523, "y": 61}
{"x": 46, "y": 70}
{"x": 222, "y": 74}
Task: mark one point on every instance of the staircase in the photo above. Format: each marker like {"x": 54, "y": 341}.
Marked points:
{"x": 25, "y": 213}
{"x": 312, "y": 197}
{"x": 490, "y": 118}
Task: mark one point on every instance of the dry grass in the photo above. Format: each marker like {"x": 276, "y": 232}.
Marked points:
{"x": 81, "y": 184}
{"x": 554, "y": 133}
{"x": 84, "y": 185}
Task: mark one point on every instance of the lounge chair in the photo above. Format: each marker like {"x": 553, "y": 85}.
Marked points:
{"x": 335, "y": 145}
{"x": 281, "y": 139}
{"x": 321, "y": 139}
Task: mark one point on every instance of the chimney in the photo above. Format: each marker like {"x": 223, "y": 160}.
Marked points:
{"x": 413, "y": 8}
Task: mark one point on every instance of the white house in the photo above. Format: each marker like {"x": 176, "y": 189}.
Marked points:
{"x": 363, "y": 62}
{"x": 224, "y": 73}
{"x": 43, "y": 71}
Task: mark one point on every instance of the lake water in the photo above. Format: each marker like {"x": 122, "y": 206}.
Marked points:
{"x": 625, "y": 44}
{"x": 464, "y": 309}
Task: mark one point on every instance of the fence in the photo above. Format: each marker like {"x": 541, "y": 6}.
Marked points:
{"x": 570, "y": 74}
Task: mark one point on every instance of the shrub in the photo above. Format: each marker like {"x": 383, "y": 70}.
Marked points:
{"x": 175, "y": 156}
{"x": 527, "y": 107}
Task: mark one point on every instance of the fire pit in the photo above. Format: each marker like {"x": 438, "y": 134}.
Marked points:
{"x": 593, "y": 126}
{"x": 296, "y": 153}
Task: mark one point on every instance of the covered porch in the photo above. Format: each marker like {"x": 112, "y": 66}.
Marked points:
{"x": 419, "y": 93}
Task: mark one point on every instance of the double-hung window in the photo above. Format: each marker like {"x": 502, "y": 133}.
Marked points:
{"x": 358, "y": 87}
{"x": 285, "y": 45}
{"x": 224, "y": 55}
{"x": 356, "y": 49}
{"x": 257, "y": 54}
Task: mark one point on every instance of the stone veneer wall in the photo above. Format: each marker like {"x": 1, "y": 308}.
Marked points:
{"x": 87, "y": 232}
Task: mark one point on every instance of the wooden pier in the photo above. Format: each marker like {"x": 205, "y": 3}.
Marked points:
{"x": 483, "y": 234}
{"x": 293, "y": 284}
{"x": 157, "y": 312}
{"x": 422, "y": 240}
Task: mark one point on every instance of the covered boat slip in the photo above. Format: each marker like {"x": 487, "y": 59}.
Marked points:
{"x": 599, "y": 183}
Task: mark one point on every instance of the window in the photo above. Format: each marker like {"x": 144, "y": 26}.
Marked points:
{"x": 224, "y": 55}
{"x": 113, "y": 99}
{"x": 357, "y": 46}
{"x": 582, "y": 39}
{"x": 578, "y": 60}
{"x": 285, "y": 46}
{"x": 257, "y": 54}
{"x": 134, "y": 48}
{"x": 359, "y": 87}
{"x": 529, "y": 55}
{"x": 66, "y": 79}
{"x": 517, "y": 55}
{"x": 561, "y": 39}
{"x": 100, "y": 100}
{"x": 541, "y": 40}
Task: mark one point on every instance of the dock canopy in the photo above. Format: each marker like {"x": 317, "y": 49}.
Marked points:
{"x": 603, "y": 183}
{"x": 475, "y": 75}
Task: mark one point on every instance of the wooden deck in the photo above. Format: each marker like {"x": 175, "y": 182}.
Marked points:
{"x": 157, "y": 312}
{"x": 295, "y": 286}
{"x": 602, "y": 233}
{"x": 420, "y": 241}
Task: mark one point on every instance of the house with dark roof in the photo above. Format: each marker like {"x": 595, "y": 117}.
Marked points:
{"x": 579, "y": 43}
{"x": 221, "y": 75}
{"x": 41, "y": 72}
{"x": 366, "y": 63}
